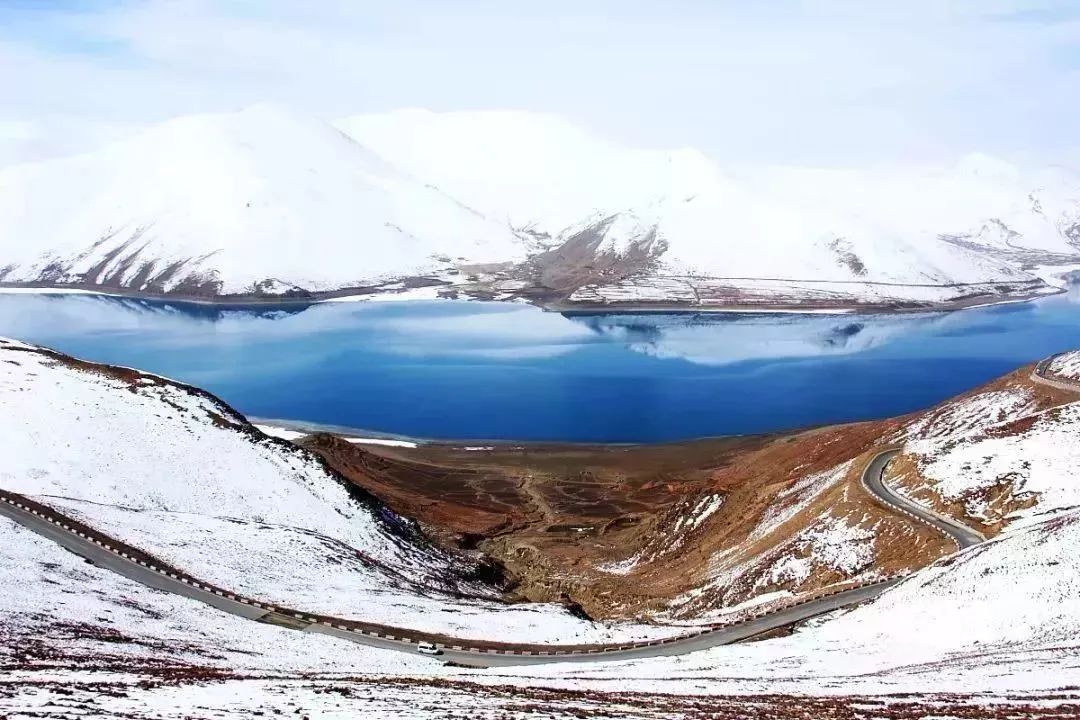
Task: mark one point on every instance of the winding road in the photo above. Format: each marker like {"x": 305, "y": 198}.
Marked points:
{"x": 1042, "y": 375}
{"x": 874, "y": 479}
{"x": 137, "y": 565}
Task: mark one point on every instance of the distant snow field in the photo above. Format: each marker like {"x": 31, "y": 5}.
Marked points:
{"x": 287, "y": 434}
{"x": 267, "y": 202}
{"x": 902, "y": 233}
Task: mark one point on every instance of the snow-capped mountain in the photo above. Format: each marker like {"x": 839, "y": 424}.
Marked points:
{"x": 265, "y": 202}
{"x": 259, "y": 201}
{"x": 672, "y": 224}
{"x": 534, "y": 169}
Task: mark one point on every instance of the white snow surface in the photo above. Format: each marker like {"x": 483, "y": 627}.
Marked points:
{"x": 279, "y": 432}
{"x": 382, "y": 441}
{"x": 269, "y": 201}
{"x": 884, "y": 225}
{"x": 261, "y": 195}
{"x": 158, "y": 465}
{"x": 971, "y": 415}
{"x": 1039, "y": 461}
{"x": 46, "y": 589}
{"x": 831, "y": 543}
{"x": 796, "y": 498}
{"x": 328, "y": 576}
{"x": 968, "y": 446}
{"x": 287, "y": 434}
{"x": 1067, "y": 365}
{"x": 699, "y": 513}
{"x": 1002, "y": 617}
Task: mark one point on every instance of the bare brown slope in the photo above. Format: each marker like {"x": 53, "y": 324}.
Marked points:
{"x": 607, "y": 528}
{"x": 682, "y": 530}
{"x": 1004, "y": 496}
{"x": 489, "y": 493}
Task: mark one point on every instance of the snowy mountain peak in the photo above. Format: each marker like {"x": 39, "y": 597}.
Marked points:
{"x": 213, "y": 204}
{"x": 266, "y": 201}
{"x": 981, "y": 220}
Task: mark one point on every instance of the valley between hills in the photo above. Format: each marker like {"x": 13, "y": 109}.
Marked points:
{"x": 682, "y": 531}
{"x": 534, "y": 548}
{"x": 538, "y": 361}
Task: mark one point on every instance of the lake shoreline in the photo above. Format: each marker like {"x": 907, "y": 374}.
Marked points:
{"x": 360, "y": 436}
{"x": 480, "y": 375}
{"x": 362, "y": 295}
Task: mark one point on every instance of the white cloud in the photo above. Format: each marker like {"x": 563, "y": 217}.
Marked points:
{"x": 468, "y": 330}
{"x": 723, "y": 341}
{"x": 482, "y": 321}
{"x": 818, "y": 82}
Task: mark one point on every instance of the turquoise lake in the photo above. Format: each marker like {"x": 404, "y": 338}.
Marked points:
{"x": 466, "y": 370}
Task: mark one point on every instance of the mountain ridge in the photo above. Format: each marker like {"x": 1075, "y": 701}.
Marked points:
{"x": 258, "y": 202}
{"x": 269, "y": 204}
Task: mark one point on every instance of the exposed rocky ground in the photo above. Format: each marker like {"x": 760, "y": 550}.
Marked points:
{"x": 677, "y": 533}
{"x": 196, "y": 693}
{"x": 682, "y": 531}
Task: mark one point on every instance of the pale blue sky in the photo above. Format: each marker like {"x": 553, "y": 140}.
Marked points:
{"x": 827, "y": 82}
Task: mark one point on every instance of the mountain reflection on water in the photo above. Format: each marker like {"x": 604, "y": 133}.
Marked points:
{"x": 470, "y": 370}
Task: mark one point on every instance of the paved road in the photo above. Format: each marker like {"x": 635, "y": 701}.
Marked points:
{"x": 874, "y": 479}
{"x": 1042, "y": 375}
{"x": 113, "y": 555}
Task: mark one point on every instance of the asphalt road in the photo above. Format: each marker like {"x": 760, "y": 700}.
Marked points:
{"x": 119, "y": 558}
{"x": 874, "y": 480}
{"x": 1042, "y": 376}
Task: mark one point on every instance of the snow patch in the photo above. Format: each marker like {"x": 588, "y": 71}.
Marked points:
{"x": 1066, "y": 365}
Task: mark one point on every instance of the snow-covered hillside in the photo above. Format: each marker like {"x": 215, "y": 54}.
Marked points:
{"x": 540, "y": 171}
{"x": 1002, "y": 615}
{"x": 261, "y": 201}
{"x": 685, "y": 229}
{"x": 995, "y": 627}
{"x": 1066, "y": 365}
{"x": 169, "y": 468}
{"x": 173, "y": 471}
{"x": 1002, "y": 457}
{"x": 267, "y": 202}
{"x": 1005, "y": 613}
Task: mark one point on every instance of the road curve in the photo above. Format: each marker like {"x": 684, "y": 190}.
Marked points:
{"x": 137, "y": 565}
{"x": 1042, "y": 375}
{"x": 874, "y": 479}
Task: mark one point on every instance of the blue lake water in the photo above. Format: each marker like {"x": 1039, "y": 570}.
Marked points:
{"x": 463, "y": 370}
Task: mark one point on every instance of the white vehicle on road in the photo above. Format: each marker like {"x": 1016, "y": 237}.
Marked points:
{"x": 426, "y": 648}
